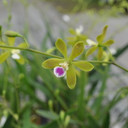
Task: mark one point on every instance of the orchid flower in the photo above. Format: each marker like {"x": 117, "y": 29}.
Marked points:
{"x": 66, "y": 66}
{"x": 14, "y": 53}
{"x": 100, "y": 45}
{"x": 77, "y": 36}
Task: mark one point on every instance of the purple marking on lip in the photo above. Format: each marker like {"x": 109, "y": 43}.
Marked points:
{"x": 59, "y": 71}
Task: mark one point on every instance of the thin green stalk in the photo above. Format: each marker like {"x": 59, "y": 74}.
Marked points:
{"x": 109, "y": 62}
{"x": 31, "y": 50}
{"x": 50, "y": 55}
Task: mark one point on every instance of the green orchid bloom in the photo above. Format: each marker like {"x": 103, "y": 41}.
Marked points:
{"x": 77, "y": 36}
{"x": 100, "y": 45}
{"x": 14, "y": 53}
{"x": 66, "y": 66}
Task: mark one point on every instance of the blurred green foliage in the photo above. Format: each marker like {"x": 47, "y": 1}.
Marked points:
{"x": 87, "y": 106}
{"x": 121, "y": 6}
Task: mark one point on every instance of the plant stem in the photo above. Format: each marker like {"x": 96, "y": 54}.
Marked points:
{"x": 110, "y": 62}
{"x": 30, "y": 50}
{"x": 50, "y": 55}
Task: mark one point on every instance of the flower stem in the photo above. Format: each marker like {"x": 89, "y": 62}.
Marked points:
{"x": 30, "y": 50}
{"x": 50, "y": 55}
{"x": 110, "y": 62}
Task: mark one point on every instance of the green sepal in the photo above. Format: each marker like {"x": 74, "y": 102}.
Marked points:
{"x": 11, "y": 41}
{"x": 21, "y": 60}
{"x": 108, "y": 43}
{"x": 60, "y": 45}
{"x": 72, "y": 40}
{"x": 49, "y": 51}
{"x": 100, "y": 53}
{"x": 101, "y": 37}
{"x": 51, "y": 63}
{"x": 71, "y": 77}
{"x": 2, "y": 43}
{"x": 77, "y": 49}
{"x": 91, "y": 50}
{"x": 83, "y": 65}
{"x": 72, "y": 31}
{"x": 4, "y": 56}
{"x": 23, "y": 45}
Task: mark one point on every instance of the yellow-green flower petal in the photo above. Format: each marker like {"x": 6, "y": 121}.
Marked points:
{"x": 4, "y": 56}
{"x": 108, "y": 43}
{"x": 23, "y": 45}
{"x": 101, "y": 37}
{"x": 78, "y": 48}
{"x": 71, "y": 77}
{"x": 72, "y": 31}
{"x": 84, "y": 65}
{"x": 51, "y": 63}
{"x": 21, "y": 60}
{"x": 2, "y": 43}
{"x": 100, "y": 53}
{"x": 60, "y": 45}
{"x": 91, "y": 50}
{"x": 11, "y": 41}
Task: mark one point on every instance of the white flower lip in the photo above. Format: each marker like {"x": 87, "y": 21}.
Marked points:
{"x": 90, "y": 42}
{"x": 80, "y": 29}
{"x": 113, "y": 51}
{"x": 59, "y": 71}
{"x": 15, "y": 54}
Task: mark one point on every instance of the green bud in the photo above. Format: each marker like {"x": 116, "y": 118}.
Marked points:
{"x": 21, "y": 76}
{"x": 57, "y": 92}
{"x": 16, "y": 116}
{"x": 62, "y": 115}
{"x": 67, "y": 120}
{"x": 5, "y": 112}
{"x": 12, "y": 34}
{"x": 50, "y": 104}
{"x": 4, "y": 92}
{"x": 5, "y": 2}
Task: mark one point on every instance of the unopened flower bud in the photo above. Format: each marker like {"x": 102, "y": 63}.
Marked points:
{"x": 12, "y": 34}
{"x": 50, "y": 103}
{"x": 67, "y": 120}
{"x": 62, "y": 115}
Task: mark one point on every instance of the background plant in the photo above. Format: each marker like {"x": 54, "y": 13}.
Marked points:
{"x": 20, "y": 103}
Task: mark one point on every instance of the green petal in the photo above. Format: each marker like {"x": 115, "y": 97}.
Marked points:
{"x": 91, "y": 50}
{"x": 108, "y": 43}
{"x": 60, "y": 45}
{"x": 71, "y": 38}
{"x": 21, "y": 60}
{"x": 100, "y": 53}
{"x": 51, "y": 63}
{"x": 71, "y": 77}
{"x": 72, "y": 31}
{"x": 11, "y": 41}
{"x": 2, "y": 43}
{"x": 105, "y": 30}
{"x": 78, "y": 48}
{"x": 101, "y": 37}
{"x": 84, "y": 65}
{"x": 4, "y": 56}
{"x": 23, "y": 45}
